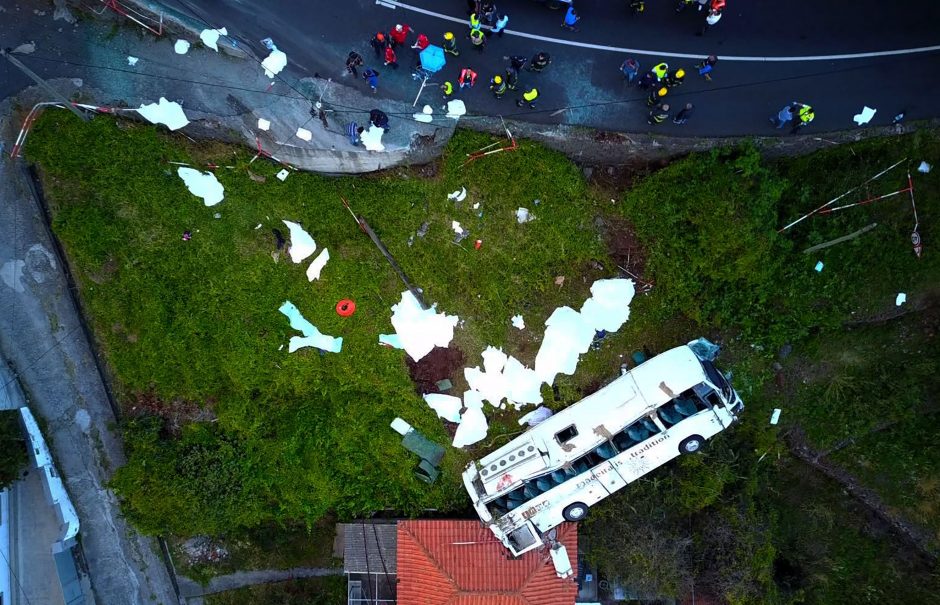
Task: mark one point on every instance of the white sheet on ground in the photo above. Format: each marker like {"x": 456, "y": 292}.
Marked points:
{"x": 209, "y": 37}
{"x": 425, "y": 115}
{"x": 472, "y": 428}
{"x": 420, "y": 329}
{"x": 865, "y": 116}
{"x": 274, "y": 63}
{"x": 458, "y": 196}
{"x": 900, "y": 299}
{"x": 392, "y": 340}
{"x": 518, "y": 322}
{"x": 312, "y": 337}
{"x": 446, "y": 406}
{"x": 567, "y": 336}
{"x": 456, "y": 108}
{"x": 303, "y": 134}
{"x": 313, "y": 271}
{"x": 504, "y": 377}
{"x": 264, "y": 124}
{"x": 164, "y": 112}
{"x": 523, "y": 216}
{"x": 609, "y": 306}
{"x": 301, "y": 244}
{"x": 372, "y": 138}
{"x": 202, "y": 184}
{"x": 456, "y": 227}
{"x": 181, "y": 47}
{"x": 472, "y": 399}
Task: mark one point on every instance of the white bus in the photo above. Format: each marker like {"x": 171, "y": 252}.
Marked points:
{"x": 553, "y": 472}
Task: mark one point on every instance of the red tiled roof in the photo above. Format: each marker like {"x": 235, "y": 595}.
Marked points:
{"x": 462, "y": 563}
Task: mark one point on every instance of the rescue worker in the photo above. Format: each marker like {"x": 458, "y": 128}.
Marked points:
{"x": 528, "y": 97}
{"x": 718, "y": 5}
{"x": 378, "y": 44}
{"x": 478, "y": 39}
{"x": 660, "y": 70}
{"x": 379, "y": 118}
{"x": 658, "y": 114}
{"x": 637, "y": 6}
{"x": 353, "y": 61}
{"x": 467, "y": 78}
{"x": 475, "y": 22}
{"x": 421, "y": 43}
{"x": 390, "y": 57}
{"x": 450, "y": 44}
{"x": 540, "y": 62}
{"x": 683, "y": 115}
{"x": 501, "y": 22}
{"x": 656, "y": 96}
{"x": 512, "y": 77}
{"x": 498, "y": 86}
{"x": 448, "y": 90}
{"x": 518, "y": 62}
{"x": 646, "y": 80}
{"x": 706, "y": 66}
{"x": 675, "y": 78}
{"x": 806, "y": 115}
{"x": 399, "y": 34}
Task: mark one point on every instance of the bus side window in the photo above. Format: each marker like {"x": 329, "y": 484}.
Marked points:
{"x": 565, "y": 435}
{"x": 636, "y": 433}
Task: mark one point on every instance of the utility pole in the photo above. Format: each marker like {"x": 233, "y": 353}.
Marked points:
{"x": 60, "y": 97}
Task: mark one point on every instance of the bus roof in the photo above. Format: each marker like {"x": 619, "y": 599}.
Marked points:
{"x": 606, "y": 411}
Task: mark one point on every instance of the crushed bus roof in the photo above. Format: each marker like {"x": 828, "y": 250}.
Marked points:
{"x": 656, "y": 381}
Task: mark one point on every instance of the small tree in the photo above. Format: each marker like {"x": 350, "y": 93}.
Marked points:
{"x": 13, "y": 453}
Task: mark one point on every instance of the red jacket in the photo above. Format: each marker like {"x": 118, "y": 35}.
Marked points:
{"x": 390, "y": 55}
{"x": 422, "y": 42}
{"x": 466, "y": 75}
{"x": 400, "y": 36}
{"x": 718, "y": 5}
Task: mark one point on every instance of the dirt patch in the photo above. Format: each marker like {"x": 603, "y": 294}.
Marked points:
{"x": 614, "y": 179}
{"x": 435, "y": 366}
{"x": 624, "y": 248}
{"x": 175, "y": 414}
{"x": 105, "y": 273}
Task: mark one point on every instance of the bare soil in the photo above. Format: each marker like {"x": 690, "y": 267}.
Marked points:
{"x": 175, "y": 414}
{"x": 435, "y": 366}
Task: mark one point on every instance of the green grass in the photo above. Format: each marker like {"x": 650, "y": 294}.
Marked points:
{"x": 310, "y": 591}
{"x": 13, "y": 452}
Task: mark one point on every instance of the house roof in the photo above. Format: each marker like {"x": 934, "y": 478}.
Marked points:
{"x": 369, "y": 548}
{"x": 462, "y": 563}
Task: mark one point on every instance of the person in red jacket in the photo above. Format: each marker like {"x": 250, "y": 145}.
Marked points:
{"x": 399, "y": 34}
{"x": 718, "y": 5}
{"x": 467, "y": 78}
{"x": 421, "y": 43}
{"x": 390, "y": 58}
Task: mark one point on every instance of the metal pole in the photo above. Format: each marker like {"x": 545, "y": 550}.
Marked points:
{"x": 68, "y": 104}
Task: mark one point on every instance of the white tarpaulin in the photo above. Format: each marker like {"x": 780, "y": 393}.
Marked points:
{"x": 609, "y": 306}
{"x": 567, "y": 336}
{"x": 473, "y": 424}
{"x": 313, "y": 271}
{"x": 504, "y": 377}
{"x": 209, "y": 37}
{"x": 446, "y": 406}
{"x": 518, "y": 322}
{"x": 420, "y": 329}
{"x": 202, "y": 184}
{"x": 164, "y": 112}
{"x": 372, "y": 138}
{"x": 301, "y": 244}
{"x": 274, "y": 63}
{"x": 865, "y": 116}
{"x": 312, "y": 337}
{"x": 456, "y": 108}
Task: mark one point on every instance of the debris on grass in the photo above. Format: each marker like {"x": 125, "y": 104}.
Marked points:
{"x": 609, "y": 306}
{"x": 536, "y": 416}
{"x": 181, "y": 47}
{"x": 819, "y": 266}
{"x": 446, "y": 406}
{"x": 283, "y": 174}
{"x": 504, "y": 377}
{"x": 924, "y": 167}
{"x": 202, "y": 184}
{"x": 473, "y": 425}
{"x": 313, "y": 271}
{"x": 523, "y": 216}
{"x": 458, "y": 196}
{"x": 312, "y": 337}
{"x": 420, "y": 330}
{"x": 210, "y": 37}
{"x": 775, "y": 416}
{"x": 456, "y": 227}
{"x": 900, "y": 299}
{"x": 865, "y": 116}
{"x": 390, "y": 340}
{"x": 301, "y": 244}
{"x": 518, "y": 322}
{"x": 560, "y": 280}
{"x": 165, "y": 112}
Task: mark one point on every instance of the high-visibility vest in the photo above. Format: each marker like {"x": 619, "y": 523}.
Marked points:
{"x": 498, "y": 89}
{"x": 531, "y": 95}
{"x": 476, "y": 36}
{"x": 467, "y": 74}
{"x": 475, "y": 22}
{"x": 448, "y": 88}
{"x": 806, "y": 115}
{"x": 661, "y": 70}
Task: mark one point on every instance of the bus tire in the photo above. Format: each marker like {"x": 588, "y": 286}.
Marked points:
{"x": 691, "y": 444}
{"x": 575, "y": 512}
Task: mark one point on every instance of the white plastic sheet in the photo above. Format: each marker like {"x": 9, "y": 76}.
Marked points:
{"x": 472, "y": 428}
{"x": 274, "y": 63}
{"x": 518, "y": 322}
{"x": 567, "y": 336}
{"x": 301, "y": 244}
{"x": 165, "y": 112}
{"x": 609, "y": 306}
{"x": 420, "y": 330}
{"x": 456, "y": 108}
{"x": 312, "y": 337}
{"x": 202, "y": 184}
{"x": 865, "y": 116}
{"x": 313, "y": 271}
{"x": 181, "y": 47}
{"x": 372, "y": 138}
{"x": 210, "y": 37}
{"x": 446, "y": 406}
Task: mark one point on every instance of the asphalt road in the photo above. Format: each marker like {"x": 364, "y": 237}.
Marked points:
{"x": 743, "y": 95}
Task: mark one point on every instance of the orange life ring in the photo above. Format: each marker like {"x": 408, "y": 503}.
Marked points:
{"x": 345, "y": 308}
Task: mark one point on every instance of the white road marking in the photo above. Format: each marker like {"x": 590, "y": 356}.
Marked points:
{"x": 386, "y": 4}
{"x": 657, "y": 53}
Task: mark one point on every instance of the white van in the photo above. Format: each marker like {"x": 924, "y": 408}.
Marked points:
{"x": 668, "y": 405}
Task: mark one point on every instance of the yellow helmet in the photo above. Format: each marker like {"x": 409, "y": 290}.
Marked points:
{"x": 662, "y": 91}
{"x": 498, "y": 79}
{"x": 680, "y": 73}
{"x": 449, "y": 36}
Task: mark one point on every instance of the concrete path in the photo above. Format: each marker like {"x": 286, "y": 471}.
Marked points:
{"x": 41, "y": 336}
{"x": 35, "y": 529}
{"x": 240, "y": 579}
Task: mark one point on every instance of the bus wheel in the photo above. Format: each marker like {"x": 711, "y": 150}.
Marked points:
{"x": 575, "y": 512}
{"x": 690, "y": 445}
